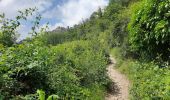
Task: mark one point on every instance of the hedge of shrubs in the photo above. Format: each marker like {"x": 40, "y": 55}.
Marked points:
{"x": 67, "y": 70}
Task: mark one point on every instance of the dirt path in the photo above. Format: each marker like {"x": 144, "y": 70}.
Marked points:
{"x": 120, "y": 87}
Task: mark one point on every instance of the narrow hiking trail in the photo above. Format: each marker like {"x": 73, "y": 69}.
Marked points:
{"x": 120, "y": 87}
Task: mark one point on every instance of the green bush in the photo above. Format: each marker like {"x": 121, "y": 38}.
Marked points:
{"x": 68, "y": 70}
{"x": 149, "y": 81}
{"x": 77, "y": 64}
{"x": 54, "y": 38}
{"x": 150, "y": 29}
{"x": 22, "y": 69}
{"x": 9, "y": 27}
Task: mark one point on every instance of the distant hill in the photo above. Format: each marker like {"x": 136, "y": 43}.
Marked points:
{"x": 59, "y": 29}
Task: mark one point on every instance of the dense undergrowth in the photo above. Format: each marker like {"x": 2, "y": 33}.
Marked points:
{"x": 145, "y": 56}
{"x": 71, "y": 70}
{"x": 148, "y": 80}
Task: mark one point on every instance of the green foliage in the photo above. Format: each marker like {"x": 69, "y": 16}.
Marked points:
{"x": 149, "y": 38}
{"x": 150, "y": 82}
{"x": 112, "y": 10}
{"x": 53, "y": 97}
{"x": 23, "y": 68}
{"x": 78, "y": 64}
{"x": 123, "y": 2}
{"x": 98, "y": 92}
{"x": 117, "y": 54}
{"x": 149, "y": 29}
{"x": 41, "y": 94}
{"x": 68, "y": 70}
{"x": 118, "y": 28}
{"x": 73, "y": 70}
{"x": 2, "y": 47}
{"x": 54, "y": 38}
{"x": 8, "y": 28}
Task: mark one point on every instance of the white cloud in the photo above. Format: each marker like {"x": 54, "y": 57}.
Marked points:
{"x": 73, "y": 11}
{"x": 11, "y": 7}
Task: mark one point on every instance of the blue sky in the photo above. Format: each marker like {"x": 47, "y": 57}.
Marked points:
{"x": 56, "y": 12}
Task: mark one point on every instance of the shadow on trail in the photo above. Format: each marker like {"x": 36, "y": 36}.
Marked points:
{"x": 113, "y": 89}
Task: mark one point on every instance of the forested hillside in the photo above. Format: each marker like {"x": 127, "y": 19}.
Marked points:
{"x": 70, "y": 63}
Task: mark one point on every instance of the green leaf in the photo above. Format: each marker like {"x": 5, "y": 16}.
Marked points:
{"x": 41, "y": 95}
{"x": 53, "y": 97}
